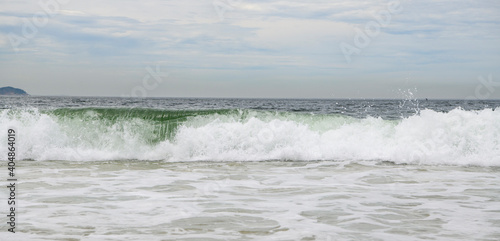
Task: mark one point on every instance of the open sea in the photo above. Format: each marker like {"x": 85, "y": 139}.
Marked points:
{"x": 91, "y": 168}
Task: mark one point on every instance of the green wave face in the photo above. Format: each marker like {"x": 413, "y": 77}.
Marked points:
{"x": 152, "y": 126}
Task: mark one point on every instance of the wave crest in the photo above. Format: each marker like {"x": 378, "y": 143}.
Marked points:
{"x": 457, "y": 137}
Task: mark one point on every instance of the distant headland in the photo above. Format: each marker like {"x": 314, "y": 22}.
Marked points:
{"x": 12, "y": 91}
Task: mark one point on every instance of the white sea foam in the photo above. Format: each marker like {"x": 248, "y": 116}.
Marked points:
{"x": 274, "y": 200}
{"x": 457, "y": 137}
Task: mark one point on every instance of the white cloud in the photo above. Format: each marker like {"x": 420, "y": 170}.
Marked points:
{"x": 72, "y": 12}
{"x": 294, "y": 34}
{"x": 10, "y": 20}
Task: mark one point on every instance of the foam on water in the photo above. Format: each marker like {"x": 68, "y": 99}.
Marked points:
{"x": 274, "y": 200}
{"x": 457, "y": 137}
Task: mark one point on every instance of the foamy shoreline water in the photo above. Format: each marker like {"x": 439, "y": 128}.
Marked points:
{"x": 275, "y": 200}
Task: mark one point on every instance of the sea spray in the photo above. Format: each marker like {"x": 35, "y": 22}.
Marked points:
{"x": 457, "y": 137}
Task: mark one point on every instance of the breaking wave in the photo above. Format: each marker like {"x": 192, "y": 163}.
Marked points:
{"x": 457, "y": 137}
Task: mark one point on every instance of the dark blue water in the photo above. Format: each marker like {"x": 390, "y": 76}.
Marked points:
{"x": 359, "y": 108}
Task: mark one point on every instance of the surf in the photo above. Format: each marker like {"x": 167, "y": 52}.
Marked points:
{"x": 458, "y": 137}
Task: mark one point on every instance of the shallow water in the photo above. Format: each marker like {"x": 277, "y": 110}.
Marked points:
{"x": 272, "y": 200}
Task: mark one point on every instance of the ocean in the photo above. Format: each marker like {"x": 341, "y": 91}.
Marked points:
{"x": 102, "y": 168}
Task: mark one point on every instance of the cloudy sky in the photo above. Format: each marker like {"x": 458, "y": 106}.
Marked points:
{"x": 252, "y": 48}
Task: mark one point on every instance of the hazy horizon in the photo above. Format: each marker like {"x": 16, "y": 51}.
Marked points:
{"x": 257, "y": 98}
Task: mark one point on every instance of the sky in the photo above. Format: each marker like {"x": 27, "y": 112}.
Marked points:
{"x": 252, "y": 49}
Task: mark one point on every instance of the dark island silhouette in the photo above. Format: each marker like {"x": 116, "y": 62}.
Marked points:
{"x": 12, "y": 91}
